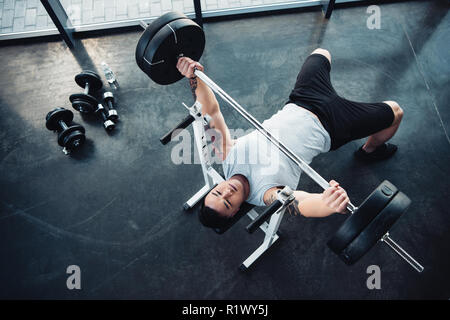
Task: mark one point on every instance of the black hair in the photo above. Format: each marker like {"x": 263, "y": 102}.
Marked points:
{"x": 211, "y": 218}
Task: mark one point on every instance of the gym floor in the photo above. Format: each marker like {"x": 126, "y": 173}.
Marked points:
{"x": 115, "y": 208}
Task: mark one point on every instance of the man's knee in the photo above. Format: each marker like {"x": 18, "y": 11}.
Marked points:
{"x": 323, "y": 52}
{"x": 398, "y": 111}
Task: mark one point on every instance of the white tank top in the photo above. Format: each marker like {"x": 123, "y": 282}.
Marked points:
{"x": 264, "y": 165}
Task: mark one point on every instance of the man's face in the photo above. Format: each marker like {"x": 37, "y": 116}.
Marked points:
{"x": 226, "y": 197}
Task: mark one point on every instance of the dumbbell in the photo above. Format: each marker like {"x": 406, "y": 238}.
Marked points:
{"x": 84, "y": 102}
{"x": 109, "y": 100}
{"x": 108, "y": 124}
{"x": 70, "y": 136}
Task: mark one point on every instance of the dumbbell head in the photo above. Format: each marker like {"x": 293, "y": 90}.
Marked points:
{"x": 56, "y": 115}
{"x": 108, "y": 96}
{"x": 83, "y": 103}
{"x": 107, "y": 123}
{"x": 72, "y": 138}
{"x": 112, "y": 115}
{"x": 109, "y": 99}
{"x": 90, "y": 77}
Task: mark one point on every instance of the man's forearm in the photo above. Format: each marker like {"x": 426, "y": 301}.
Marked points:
{"x": 307, "y": 204}
{"x": 313, "y": 206}
{"x": 203, "y": 94}
{"x": 221, "y": 137}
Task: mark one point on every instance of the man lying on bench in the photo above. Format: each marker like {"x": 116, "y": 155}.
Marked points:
{"x": 257, "y": 182}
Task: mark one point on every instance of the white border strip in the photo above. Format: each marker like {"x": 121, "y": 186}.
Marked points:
{"x": 262, "y": 8}
{"x": 191, "y": 15}
{"x": 29, "y": 34}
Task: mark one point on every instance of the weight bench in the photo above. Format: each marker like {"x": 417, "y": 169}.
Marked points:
{"x": 212, "y": 178}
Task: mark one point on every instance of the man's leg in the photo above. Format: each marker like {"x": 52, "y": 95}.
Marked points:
{"x": 379, "y": 138}
{"x": 314, "y": 74}
{"x": 323, "y": 52}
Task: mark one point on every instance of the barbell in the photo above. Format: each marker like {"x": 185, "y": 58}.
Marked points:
{"x": 173, "y": 35}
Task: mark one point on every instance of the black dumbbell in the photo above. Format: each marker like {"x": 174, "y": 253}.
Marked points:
{"x": 70, "y": 136}
{"x": 109, "y": 100}
{"x": 108, "y": 124}
{"x": 84, "y": 102}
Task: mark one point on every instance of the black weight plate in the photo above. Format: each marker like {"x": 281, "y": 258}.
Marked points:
{"x": 74, "y": 140}
{"x": 150, "y": 32}
{"x": 56, "y": 115}
{"x": 112, "y": 115}
{"x": 84, "y": 97}
{"x": 83, "y": 106}
{"x": 94, "y": 80}
{"x": 376, "y": 229}
{"x": 366, "y": 212}
{"x": 179, "y": 37}
{"x": 83, "y": 102}
{"x": 62, "y": 136}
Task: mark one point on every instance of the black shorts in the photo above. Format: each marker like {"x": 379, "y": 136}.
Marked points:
{"x": 344, "y": 120}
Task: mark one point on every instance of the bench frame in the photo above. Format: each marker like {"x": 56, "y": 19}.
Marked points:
{"x": 212, "y": 178}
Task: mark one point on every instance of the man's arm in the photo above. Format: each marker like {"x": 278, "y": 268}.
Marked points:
{"x": 314, "y": 205}
{"x": 203, "y": 94}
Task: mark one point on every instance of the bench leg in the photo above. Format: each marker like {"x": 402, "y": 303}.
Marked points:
{"x": 270, "y": 238}
{"x": 257, "y": 253}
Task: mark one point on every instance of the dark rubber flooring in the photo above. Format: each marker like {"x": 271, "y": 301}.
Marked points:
{"x": 115, "y": 208}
